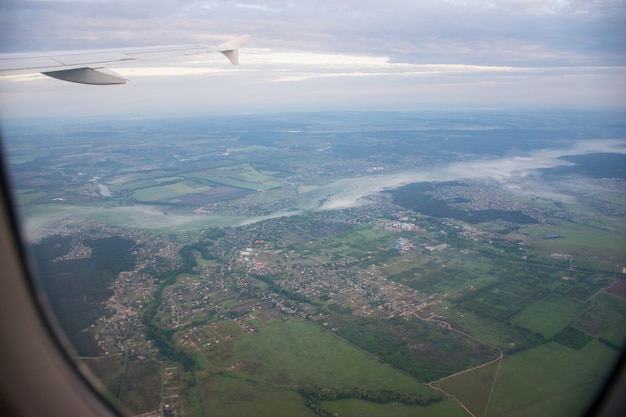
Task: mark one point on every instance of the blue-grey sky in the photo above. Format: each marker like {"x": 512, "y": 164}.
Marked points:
{"x": 322, "y": 54}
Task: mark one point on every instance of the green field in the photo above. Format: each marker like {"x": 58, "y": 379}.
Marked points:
{"x": 295, "y": 352}
{"x": 606, "y": 320}
{"x": 591, "y": 247}
{"x": 356, "y": 243}
{"x": 123, "y": 388}
{"x": 168, "y": 192}
{"x": 473, "y": 389}
{"x": 550, "y": 314}
{"x": 550, "y": 380}
{"x": 243, "y": 176}
{"x": 254, "y": 373}
{"x": 230, "y": 396}
{"x": 494, "y": 332}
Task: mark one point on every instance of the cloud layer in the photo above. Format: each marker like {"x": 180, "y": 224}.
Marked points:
{"x": 318, "y": 53}
{"x": 500, "y": 32}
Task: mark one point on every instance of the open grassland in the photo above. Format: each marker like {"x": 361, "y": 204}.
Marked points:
{"x": 551, "y": 314}
{"x": 266, "y": 368}
{"x": 606, "y": 320}
{"x": 295, "y": 352}
{"x": 550, "y": 380}
{"x": 611, "y": 301}
{"x": 243, "y": 176}
{"x": 604, "y": 323}
{"x": 134, "y": 385}
{"x": 473, "y": 388}
{"x": 498, "y": 333}
{"x": 590, "y": 247}
{"x": 169, "y": 191}
{"x": 358, "y": 242}
{"x": 441, "y": 275}
{"x": 137, "y": 182}
{"x": 230, "y": 396}
{"x": 421, "y": 349}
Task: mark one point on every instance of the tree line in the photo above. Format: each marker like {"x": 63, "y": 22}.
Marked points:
{"x": 314, "y": 395}
{"x": 162, "y": 337}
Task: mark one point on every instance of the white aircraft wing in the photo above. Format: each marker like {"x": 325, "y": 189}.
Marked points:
{"x": 88, "y": 67}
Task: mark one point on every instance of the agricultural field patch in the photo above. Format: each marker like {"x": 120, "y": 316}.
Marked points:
{"x": 618, "y": 288}
{"x": 472, "y": 388}
{"x": 141, "y": 387}
{"x": 168, "y": 192}
{"x": 550, "y": 379}
{"x": 356, "y": 243}
{"x": 551, "y": 314}
{"x": 243, "y": 176}
{"x": 590, "y": 247}
{"x": 424, "y": 350}
{"x": 509, "y": 338}
{"x": 226, "y": 395}
{"x": 501, "y": 300}
{"x": 572, "y": 338}
{"x": 606, "y": 320}
{"x": 296, "y": 352}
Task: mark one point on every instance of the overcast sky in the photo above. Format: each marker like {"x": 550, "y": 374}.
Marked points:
{"x": 320, "y": 54}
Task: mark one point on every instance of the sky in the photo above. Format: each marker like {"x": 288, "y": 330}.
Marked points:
{"x": 325, "y": 55}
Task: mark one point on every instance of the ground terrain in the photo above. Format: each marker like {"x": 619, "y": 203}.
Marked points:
{"x": 349, "y": 264}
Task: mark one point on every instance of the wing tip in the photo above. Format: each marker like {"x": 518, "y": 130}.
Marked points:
{"x": 233, "y": 44}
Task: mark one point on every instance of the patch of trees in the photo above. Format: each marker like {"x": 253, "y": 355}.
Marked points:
{"x": 377, "y": 396}
{"x": 201, "y": 247}
{"x": 75, "y": 288}
{"x": 315, "y": 395}
{"x": 572, "y": 338}
{"x": 162, "y": 337}
{"x": 422, "y": 350}
{"x": 524, "y": 339}
{"x": 417, "y": 197}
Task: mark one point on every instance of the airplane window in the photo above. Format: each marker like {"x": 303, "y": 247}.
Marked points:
{"x": 380, "y": 209}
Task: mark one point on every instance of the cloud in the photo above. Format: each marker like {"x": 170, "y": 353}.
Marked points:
{"x": 315, "y": 53}
{"x": 478, "y": 32}
{"x": 269, "y": 80}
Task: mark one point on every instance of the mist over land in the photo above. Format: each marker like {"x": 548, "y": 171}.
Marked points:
{"x": 360, "y": 155}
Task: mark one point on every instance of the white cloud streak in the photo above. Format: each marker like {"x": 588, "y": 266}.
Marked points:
{"x": 316, "y": 53}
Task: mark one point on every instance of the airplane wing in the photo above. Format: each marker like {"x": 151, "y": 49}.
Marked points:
{"x": 88, "y": 67}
